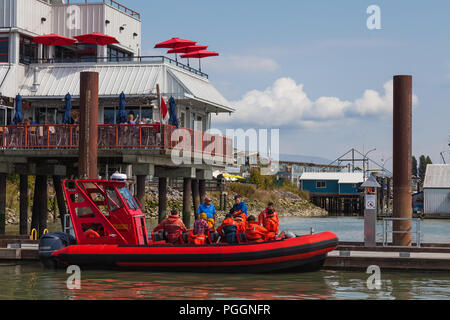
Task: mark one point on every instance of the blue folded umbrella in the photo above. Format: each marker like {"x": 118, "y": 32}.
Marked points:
{"x": 122, "y": 113}
{"x": 68, "y": 112}
{"x": 173, "y": 120}
{"x": 18, "y": 117}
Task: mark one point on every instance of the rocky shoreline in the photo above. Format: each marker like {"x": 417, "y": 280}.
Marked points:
{"x": 287, "y": 204}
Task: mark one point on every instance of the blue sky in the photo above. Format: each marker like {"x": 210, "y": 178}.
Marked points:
{"x": 324, "y": 50}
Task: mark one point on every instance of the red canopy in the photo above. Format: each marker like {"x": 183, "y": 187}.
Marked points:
{"x": 188, "y": 49}
{"x": 200, "y": 54}
{"x": 54, "y": 40}
{"x": 97, "y": 38}
{"x": 175, "y": 43}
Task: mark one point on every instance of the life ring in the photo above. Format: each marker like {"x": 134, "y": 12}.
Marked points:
{"x": 91, "y": 234}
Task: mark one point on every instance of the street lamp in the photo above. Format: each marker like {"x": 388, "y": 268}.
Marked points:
{"x": 364, "y": 163}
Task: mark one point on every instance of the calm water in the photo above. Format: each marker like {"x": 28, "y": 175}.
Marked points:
{"x": 31, "y": 281}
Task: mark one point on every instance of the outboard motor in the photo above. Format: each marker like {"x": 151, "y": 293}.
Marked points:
{"x": 51, "y": 243}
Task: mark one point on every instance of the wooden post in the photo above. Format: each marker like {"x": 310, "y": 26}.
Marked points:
{"x": 187, "y": 185}
{"x": 36, "y": 206}
{"x": 140, "y": 189}
{"x": 23, "y": 205}
{"x": 162, "y": 199}
{"x": 57, "y": 184}
{"x": 195, "y": 195}
{"x": 88, "y": 151}
{"x": 2, "y": 203}
{"x": 43, "y": 205}
{"x": 202, "y": 188}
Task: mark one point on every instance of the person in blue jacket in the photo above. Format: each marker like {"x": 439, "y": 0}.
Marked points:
{"x": 240, "y": 205}
{"x": 208, "y": 208}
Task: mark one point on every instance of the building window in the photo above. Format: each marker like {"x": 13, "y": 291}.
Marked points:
{"x": 28, "y": 52}
{"x": 4, "y": 49}
{"x": 321, "y": 184}
{"x": 115, "y": 54}
{"x": 78, "y": 52}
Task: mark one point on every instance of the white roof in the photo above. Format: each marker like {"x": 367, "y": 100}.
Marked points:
{"x": 437, "y": 176}
{"x": 341, "y": 177}
{"x": 134, "y": 79}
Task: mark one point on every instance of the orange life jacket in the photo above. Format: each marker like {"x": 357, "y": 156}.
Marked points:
{"x": 269, "y": 221}
{"x": 198, "y": 240}
{"x": 257, "y": 233}
{"x": 241, "y": 216}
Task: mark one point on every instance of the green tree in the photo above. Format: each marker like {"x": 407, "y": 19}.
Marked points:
{"x": 422, "y": 167}
{"x": 414, "y": 166}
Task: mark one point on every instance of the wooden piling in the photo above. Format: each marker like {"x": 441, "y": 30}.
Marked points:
{"x": 162, "y": 199}
{"x": 23, "y": 220}
{"x": 140, "y": 188}
{"x": 202, "y": 188}
{"x": 57, "y": 184}
{"x": 195, "y": 195}
{"x": 88, "y": 151}
{"x": 187, "y": 190}
{"x": 43, "y": 203}
{"x": 2, "y": 203}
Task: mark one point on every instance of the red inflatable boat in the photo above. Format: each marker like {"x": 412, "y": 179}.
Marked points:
{"x": 110, "y": 233}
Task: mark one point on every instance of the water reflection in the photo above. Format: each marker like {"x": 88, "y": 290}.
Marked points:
{"x": 32, "y": 282}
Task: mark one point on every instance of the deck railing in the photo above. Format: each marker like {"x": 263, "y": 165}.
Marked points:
{"x": 60, "y": 137}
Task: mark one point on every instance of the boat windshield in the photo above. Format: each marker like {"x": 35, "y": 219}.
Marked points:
{"x": 128, "y": 197}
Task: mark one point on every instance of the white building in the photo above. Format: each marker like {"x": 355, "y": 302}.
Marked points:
{"x": 437, "y": 190}
{"x": 43, "y": 75}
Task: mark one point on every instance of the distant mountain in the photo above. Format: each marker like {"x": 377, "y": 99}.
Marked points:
{"x": 307, "y": 159}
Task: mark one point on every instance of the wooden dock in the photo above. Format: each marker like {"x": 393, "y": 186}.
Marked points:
{"x": 18, "y": 248}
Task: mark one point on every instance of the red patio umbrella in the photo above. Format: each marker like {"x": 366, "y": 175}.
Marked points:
{"x": 175, "y": 43}
{"x": 96, "y": 38}
{"x": 200, "y": 55}
{"x": 54, "y": 40}
{"x": 188, "y": 49}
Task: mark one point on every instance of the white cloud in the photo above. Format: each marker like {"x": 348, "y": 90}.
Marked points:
{"x": 286, "y": 104}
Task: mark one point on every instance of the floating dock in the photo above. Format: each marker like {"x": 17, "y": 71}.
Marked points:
{"x": 18, "y": 248}
{"x": 354, "y": 256}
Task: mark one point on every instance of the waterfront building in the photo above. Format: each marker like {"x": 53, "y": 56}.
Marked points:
{"x": 437, "y": 191}
{"x": 294, "y": 170}
{"x": 43, "y": 75}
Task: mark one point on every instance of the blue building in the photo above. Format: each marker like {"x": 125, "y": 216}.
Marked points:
{"x": 331, "y": 183}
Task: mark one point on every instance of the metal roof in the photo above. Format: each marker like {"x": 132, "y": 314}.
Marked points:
{"x": 134, "y": 79}
{"x": 437, "y": 176}
{"x": 371, "y": 183}
{"x": 341, "y": 177}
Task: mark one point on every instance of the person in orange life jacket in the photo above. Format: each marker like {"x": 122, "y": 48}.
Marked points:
{"x": 229, "y": 229}
{"x": 173, "y": 226}
{"x": 240, "y": 218}
{"x": 269, "y": 219}
{"x": 257, "y": 233}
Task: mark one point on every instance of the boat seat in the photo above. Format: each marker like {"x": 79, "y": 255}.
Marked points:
{"x": 242, "y": 238}
{"x": 213, "y": 237}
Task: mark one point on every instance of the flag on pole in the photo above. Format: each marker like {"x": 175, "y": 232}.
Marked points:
{"x": 164, "y": 110}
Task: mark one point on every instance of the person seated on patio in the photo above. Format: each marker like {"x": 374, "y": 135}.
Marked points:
{"x": 173, "y": 226}
{"x": 131, "y": 119}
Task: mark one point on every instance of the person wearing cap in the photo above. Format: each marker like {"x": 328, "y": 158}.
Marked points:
{"x": 173, "y": 226}
{"x": 208, "y": 208}
{"x": 239, "y": 205}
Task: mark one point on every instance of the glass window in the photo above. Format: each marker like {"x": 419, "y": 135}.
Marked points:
{"x": 109, "y": 116}
{"x": 28, "y": 50}
{"x": 321, "y": 184}
{"x": 128, "y": 197}
{"x": 146, "y": 114}
{"x": 114, "y": 202}
{"x": 4, "y": 49}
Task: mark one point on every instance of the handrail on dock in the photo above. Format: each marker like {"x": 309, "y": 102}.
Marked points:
{"x": 387, "y": 231}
